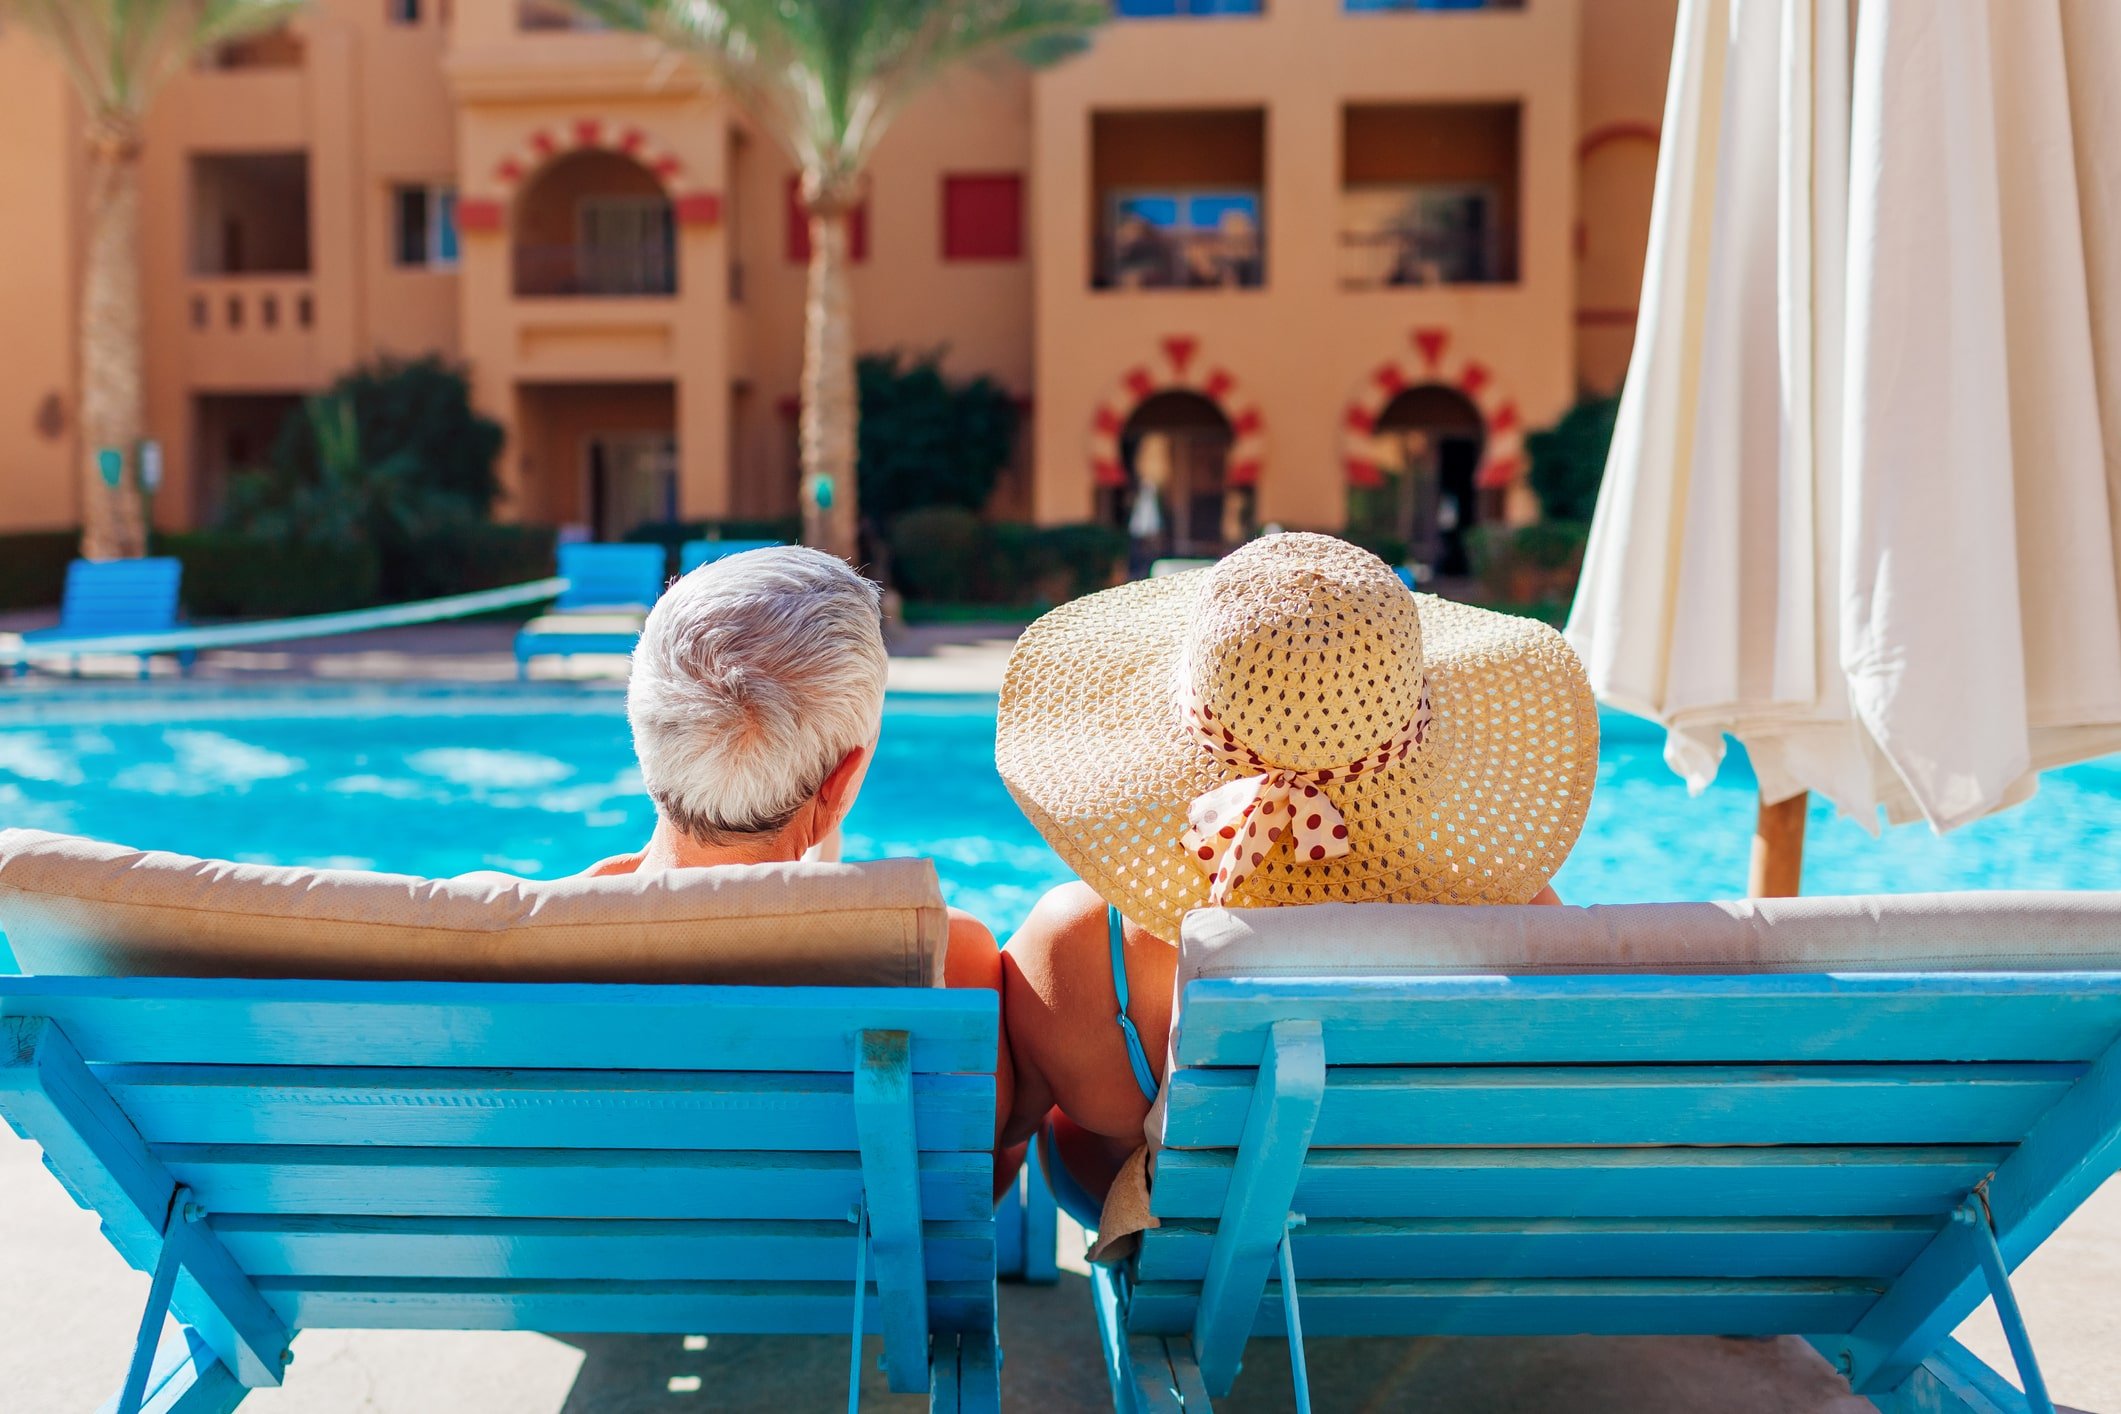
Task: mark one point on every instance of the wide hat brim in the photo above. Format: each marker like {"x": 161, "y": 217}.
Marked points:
{"x": 1091, "y": 743}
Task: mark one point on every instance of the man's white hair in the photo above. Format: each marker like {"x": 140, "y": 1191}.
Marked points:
{"x": 754, "y": 677}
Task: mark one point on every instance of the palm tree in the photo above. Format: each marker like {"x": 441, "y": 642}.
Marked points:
{"x": 118, "y": 54}
{"x": 824, "y": 78}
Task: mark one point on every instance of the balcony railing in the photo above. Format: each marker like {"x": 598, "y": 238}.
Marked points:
{"x": 604, "y": 270}
{"x": 1392, "y": 256}
{"x": 235, "y": 304}
{"x": 1179, "y": 260}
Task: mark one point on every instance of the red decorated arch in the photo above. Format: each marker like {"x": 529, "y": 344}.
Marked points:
{"x": 1178, "y": 367}
{"x": 1431, "y": 360}
{"x": 691, "y": 202}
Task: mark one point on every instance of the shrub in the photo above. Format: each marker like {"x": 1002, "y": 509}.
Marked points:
{"x": 1392, "y": 549}
{"x": 926, "y": 440}
{"x": 420, "y": 409}
{"x": 460, "y": 558}
{"x": 937, "y": 553}
{"x": 1070, "y": 560}
{"x": 33, "y": 567}
{"x": 1528, "y": 564}
{"x": 229, "y": 574}
{"x": 1568, "y": 459}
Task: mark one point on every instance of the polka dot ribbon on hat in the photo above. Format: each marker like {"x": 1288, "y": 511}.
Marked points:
{"x": 1245, "y": 821}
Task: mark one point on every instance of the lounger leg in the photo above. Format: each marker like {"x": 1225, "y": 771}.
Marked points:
{"x": 187, "y": 1378}
{"x": 1292, "y": 1318}
{"x": 861, "y": 1303}
{"x": 1975, "y": 1215}
{"x": 979, "y": 1373}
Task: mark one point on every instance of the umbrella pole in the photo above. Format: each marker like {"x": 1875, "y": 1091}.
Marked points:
{"x": 1778, "y": 848}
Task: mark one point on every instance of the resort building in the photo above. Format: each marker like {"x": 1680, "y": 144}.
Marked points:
{"x": 1259, "y": 253}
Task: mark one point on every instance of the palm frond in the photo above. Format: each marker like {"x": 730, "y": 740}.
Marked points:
{"x": 825, "y": 77}
{"x": 119, "y": 53}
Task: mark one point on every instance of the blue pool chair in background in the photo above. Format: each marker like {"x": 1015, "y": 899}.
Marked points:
{"x": 1844, "y": 1119}
{"x": 513, "y": 1155}
{"x": 694, "y": 553}
{"x": 1027, "y": 1228}
{"x": 113, "y": 599}
{"x": 610, "y": 589}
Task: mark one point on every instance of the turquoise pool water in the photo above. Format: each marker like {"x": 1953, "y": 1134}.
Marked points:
{"x": 543, "y": 783}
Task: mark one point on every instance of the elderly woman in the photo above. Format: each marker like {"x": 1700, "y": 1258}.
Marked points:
{"x": 1292, "y": 726}
{"x": 756, "y": 698}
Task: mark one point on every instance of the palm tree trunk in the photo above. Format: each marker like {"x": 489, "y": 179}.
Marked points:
{"x": 831, "y": 499}
{"x": 111, "y": 356}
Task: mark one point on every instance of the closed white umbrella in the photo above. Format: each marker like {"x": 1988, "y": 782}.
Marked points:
{"x": 1864, "y": 497}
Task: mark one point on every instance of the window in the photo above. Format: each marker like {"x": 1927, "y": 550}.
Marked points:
{"x": 626, "y": 245}
{"x": 983, "y": 216}
{"x": 426, "y": 235}
{"x": 1166, "y": 9}
{"x": 1166, "y": 239}
{"x": 799, "y": 227}
{"x": 404, "y": 12}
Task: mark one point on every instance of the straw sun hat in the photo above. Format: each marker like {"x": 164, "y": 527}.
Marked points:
{"x": 1293, "y": 726}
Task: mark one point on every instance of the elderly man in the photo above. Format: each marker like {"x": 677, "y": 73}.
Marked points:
{"x": 756, "y": 698}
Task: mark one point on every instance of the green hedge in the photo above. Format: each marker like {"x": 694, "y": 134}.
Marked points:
{"x": 1528, "y": 564}
{"x": 232, "y": 575}
{"x": 950, "y": 555}
{"x": 33, "y": 567}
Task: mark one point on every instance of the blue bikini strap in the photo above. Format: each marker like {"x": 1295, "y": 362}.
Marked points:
{"x": 1136, "y": 1055}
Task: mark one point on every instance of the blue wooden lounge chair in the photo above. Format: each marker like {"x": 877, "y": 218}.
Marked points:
{"x": 610, "y": 589}
{"x": 695, "y": 553}
{"x": 111, "y": 599}
{"x": 1825, "y": 1144}
{"x": 480, "y": 1155}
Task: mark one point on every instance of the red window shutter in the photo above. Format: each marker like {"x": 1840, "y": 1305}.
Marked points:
{"x": 799, "y": 227}
{"x": 983, "y": 216}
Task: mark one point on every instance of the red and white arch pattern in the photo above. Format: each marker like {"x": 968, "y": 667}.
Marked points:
{"x": 1178, "y": 368}
{"x": 691, "y": 202}
{"x": 1431, "y": 359}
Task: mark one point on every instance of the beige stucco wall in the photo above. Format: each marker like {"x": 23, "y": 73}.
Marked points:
{"x": 37, "y": 290}
{"x": 373, "y": 104}
{"x": 1301, "y": 346}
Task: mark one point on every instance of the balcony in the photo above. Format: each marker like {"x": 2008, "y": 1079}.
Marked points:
{"x": 1429, "y": 195}
{"x": 632, "y": 269}
{"x": 595, "y": 223}
{"x": 249, "y": 332}
{"x": 1179, "y": 200}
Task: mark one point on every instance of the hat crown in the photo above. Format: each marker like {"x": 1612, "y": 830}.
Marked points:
{"x": 1307, "y": 648}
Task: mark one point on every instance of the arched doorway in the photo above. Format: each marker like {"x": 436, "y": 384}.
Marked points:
{"x": 595, "y": 222}
{"x": 1175, "y": 449}
{"x": 1426, "y": 449}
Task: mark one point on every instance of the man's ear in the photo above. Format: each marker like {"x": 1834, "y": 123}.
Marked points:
{"x": 835, "y": 795}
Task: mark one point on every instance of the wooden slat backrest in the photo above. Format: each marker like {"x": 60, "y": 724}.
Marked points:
{"x": 611, "y": 576}
{"x": 120, "y": 596}
{"x": 1640, "y": 1154}
{"x": 547, "y": 1156}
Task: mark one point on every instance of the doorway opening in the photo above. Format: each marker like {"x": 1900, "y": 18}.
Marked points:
{"x": 1426, "y": 446}
{"x": 1178, "y": 500}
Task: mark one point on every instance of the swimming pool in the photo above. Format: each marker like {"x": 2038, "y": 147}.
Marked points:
{"x": 542, "y": 783}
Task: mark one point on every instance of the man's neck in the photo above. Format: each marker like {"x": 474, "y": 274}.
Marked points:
{"x": 673, "y": 849}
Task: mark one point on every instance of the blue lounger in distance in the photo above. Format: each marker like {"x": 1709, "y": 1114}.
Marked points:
{"x": 694, "y": 553}
{"x": 1844, "y": 1119}
{"x": 610, "y": 589}
{"x": 637, "y": 1154}
{"x": 112, "y": 599}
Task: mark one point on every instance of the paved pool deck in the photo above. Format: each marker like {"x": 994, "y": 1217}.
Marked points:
{"x": 69, "y": 1305}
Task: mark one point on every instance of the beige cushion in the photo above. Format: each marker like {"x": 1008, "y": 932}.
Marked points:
{"x": 1965, "y": 932}
{"x": 614, "y": 621}
{"x": 76, "y": 907}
